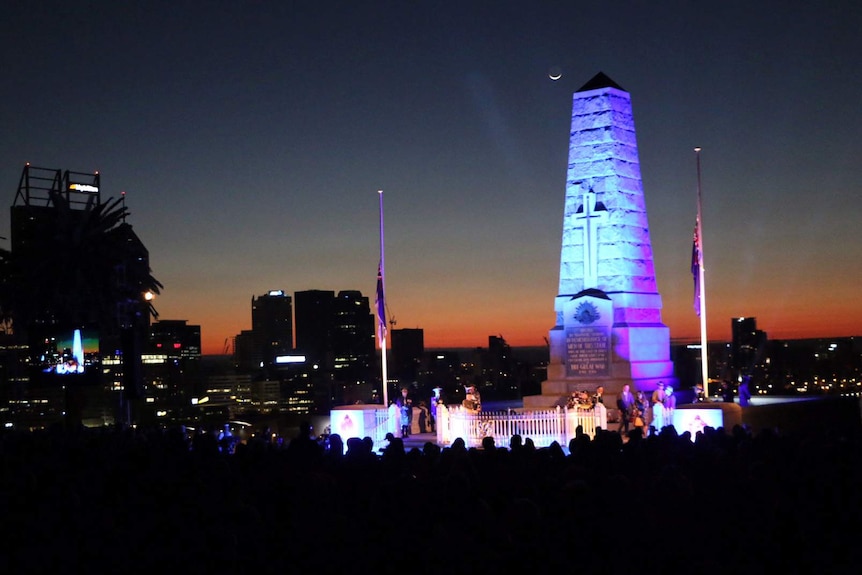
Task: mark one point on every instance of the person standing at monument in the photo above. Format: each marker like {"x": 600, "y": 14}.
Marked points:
{"x": 639, "y": 411}
{"x": 658, "y": 394}
{"x": 472, "y": 401}
{"x": 436, "y": 399}
{"x": 657, "y": 407}
{"x": 599, "y": 396}
{"x": 669, "y": 405}
{"x": 625, "y": 403}
{"x": 405, "y": 408}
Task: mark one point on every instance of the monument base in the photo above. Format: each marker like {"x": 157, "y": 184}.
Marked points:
{"x": 598, "y": 342}
{"x": 557, "y": 391}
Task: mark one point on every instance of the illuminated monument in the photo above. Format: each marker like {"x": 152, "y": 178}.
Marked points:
{"x": 608, "y": 310}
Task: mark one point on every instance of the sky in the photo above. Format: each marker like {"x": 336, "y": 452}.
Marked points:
{"x": 251, "y": 139}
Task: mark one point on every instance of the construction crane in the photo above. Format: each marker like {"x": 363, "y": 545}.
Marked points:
{"x": 226, "y": 348}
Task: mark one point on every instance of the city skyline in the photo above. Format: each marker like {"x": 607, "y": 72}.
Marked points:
{"x": 251, "y": 142}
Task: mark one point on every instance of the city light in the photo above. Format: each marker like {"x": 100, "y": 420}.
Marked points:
{"x": 83, "y": 188}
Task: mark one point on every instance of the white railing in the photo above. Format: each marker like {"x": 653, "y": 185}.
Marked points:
{"x": 385, "y": 421}
{"x": 542, "y": 426}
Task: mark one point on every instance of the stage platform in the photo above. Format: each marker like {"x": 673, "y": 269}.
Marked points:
{"x": 786, "y": 415}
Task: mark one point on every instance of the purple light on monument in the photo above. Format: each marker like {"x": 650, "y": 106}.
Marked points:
{"x": 606, "y": 258}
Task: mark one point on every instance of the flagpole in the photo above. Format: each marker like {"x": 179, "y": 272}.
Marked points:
{"x": 381, "y": 309}
{"x": 704, "y": 352}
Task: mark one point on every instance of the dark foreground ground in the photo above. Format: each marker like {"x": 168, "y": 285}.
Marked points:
{"x": 121, "y": 500}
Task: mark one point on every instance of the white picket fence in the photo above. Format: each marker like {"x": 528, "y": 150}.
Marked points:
{"x": 385, "y": 421}
{"x": 558, "y": 424}
{"x": 543, "y": 426}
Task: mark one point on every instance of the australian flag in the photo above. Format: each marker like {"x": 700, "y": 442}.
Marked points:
{"x": 381, "y": 308}
{"x": 695, "y": 269}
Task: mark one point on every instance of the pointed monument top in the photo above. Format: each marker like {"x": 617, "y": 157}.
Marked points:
{"x": 599, "y": 81}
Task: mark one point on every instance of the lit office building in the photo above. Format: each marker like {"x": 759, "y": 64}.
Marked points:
{"x": 272, "y": 324}
{"x": 271, "y": 333}
{"x": 171, "y": 367}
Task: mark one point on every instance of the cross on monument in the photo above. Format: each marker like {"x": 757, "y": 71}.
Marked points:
{"x": 590, "y": 217}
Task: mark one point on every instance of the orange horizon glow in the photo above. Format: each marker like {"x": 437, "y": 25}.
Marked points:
{"x": 534, "y": 334}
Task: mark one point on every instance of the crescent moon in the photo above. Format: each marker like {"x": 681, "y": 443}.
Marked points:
{"x": 555, "y": 73}
{"x": 555, "y": 77}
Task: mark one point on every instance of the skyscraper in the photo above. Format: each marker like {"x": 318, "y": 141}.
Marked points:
{"x": 498, "y": 364}
{"x": 747, "y": 346}
{"x": 314, "y": 312}
{"x": 272, "y": 324}
{"x": 176, "y": 339}
{"x": 353, "y": 338}
{"x": 172, "y": 365}
{"x": 336, "y": 333}
{"x": 408, "y": 347}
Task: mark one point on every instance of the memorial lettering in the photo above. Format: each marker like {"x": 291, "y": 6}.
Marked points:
{"x": 587, "y": 351}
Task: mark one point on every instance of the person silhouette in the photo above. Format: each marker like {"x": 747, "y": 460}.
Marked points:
{"x": 625, "y": 404}
{"x": 405, "y": 408}
{"x": 745, "y": 391}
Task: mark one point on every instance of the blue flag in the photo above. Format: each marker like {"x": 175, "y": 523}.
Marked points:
{"x": 381, "y": 308}
{"x": 695, "y": 269}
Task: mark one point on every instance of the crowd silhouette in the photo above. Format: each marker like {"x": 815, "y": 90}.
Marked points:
{"x": 111, "y": 499}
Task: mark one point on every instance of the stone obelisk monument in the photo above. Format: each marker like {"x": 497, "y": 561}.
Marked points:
{"x": 608, "y": 328}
